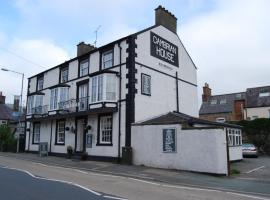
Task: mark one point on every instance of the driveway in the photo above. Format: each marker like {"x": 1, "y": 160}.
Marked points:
{"x": 257, "y": 169}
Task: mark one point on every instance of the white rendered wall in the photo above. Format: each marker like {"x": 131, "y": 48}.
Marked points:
{"x": 163, "y": 95}
{"x": 235, "y": 153}
{"x": 197, "y": 150}
{"x": 260, "y": 112}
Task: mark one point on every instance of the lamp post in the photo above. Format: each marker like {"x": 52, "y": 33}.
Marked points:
{"x": 21, "y": 104}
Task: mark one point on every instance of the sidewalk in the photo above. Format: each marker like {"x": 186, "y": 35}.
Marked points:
{"x": 174, "y": 177}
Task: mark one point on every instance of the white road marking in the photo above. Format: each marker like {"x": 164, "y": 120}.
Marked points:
{"x": 148, "y": 182}
{"x": 110, "y": 197}
{"x": 249, "y": 196}
{"x": 190, "y": 188}
{"x": 56, "y": 180}
{"x": 37, "y": 163}
{"x": 253, "y": 170}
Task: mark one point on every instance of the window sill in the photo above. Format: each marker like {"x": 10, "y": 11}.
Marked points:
{"x": 146, "y": 94}
{"x": 104, "y": 144}
{"x": 59, "y": 144}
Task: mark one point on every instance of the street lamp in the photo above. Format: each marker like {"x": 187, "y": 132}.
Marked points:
{"x": 21, "y": 104}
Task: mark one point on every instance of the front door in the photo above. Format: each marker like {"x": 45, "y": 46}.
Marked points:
{"x": 80, "y": 137}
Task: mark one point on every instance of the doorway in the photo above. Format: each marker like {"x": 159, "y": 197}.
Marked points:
{"x": 80, "y": 134}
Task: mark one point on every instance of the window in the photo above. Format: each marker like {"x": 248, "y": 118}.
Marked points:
{"x": 38, "y": 104}
{"x": 235, "y": 137}
{"x": 64, "y": 75}
{"x": 83, "y": 96}
{"x": 30, "y": 104}
{"x": 107, "y": 59}
{"x": 54, "y": 99}
{"x": 60, "y": 133}
{"x": 255, "y": 117}
{"x": 4, "y": 122}
{"x": 103, "y": 88}
{"x": 213, "y": 102}
{"x": 264, "y": 94}
{"x": 223, "y": 101}
{"x": 146, "y": 84}
{"x": 105, "y": 129}
{"x": 83, "y": 68}
{"x": 36, "y": 133}
{"x": 238, "y": 96}
{"x": 40, "y": 81}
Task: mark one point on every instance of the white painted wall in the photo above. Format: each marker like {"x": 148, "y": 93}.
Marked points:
{"x": 260, "y": 112}
{"x": 235, "y": 153}
{"x": 197, "y": 150}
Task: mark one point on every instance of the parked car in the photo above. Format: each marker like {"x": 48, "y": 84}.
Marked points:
{"x": 249, "y": 150}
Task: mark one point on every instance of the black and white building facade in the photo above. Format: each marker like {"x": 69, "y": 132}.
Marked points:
{"x": 90, "y": 101}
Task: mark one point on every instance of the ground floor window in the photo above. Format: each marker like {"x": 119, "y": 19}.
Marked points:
{"x": 60, "y": 132}
{"x": 36, "y": 133}
{"x": 105, "y": 129}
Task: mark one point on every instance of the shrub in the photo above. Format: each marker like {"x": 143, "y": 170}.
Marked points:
{"x": 7, "y": 140}
{"x": 69, "y": 151}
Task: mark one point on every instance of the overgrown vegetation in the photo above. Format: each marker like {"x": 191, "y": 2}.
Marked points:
{"x": 258, "y": 133}
{"x": 7, "y": 140}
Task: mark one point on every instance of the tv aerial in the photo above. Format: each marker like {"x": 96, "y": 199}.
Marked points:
{"x": 96, "y": 33}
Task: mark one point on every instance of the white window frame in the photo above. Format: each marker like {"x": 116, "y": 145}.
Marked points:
{"x": 107, "y": 61}
{"x": 64, "y": 75}
{"x": 54, "y": 99}
{"x": 264, "y": 94}
{"x": 223, "y": 101}
{"x": 36, "y": 133}
{"x": 146, "y": 84}
{"x": 40, "y": 83}
{"x": 58, "y": 95}
{"x": 105, "y": 129}
{"x": 103, "y": 88}
{"x": 213, "y": 102}
{"x": 60, "y": 135}
{"x": 30, "y": 104}
{"x": 84, "y": 68}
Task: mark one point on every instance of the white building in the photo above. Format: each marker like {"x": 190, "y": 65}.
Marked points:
{"x": 90, "y": 101}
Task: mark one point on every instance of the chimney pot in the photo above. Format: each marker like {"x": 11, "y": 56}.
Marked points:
{"x": 166, "y": 19}
{"x": 83, "y": 48}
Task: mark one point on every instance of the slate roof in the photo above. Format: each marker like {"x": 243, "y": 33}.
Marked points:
{"x": 208, "y": 108}
{"x": 253, "y": 98}
{"x": 6, "y": 112}
{"x": 179, "y": 118}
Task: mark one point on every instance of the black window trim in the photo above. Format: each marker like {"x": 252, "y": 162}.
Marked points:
{"x": 107, "y": 49}
{"x": 81, "y": 60}
{"x": 33, "y": 133}
{"x": 38, "y": 77}
{"x": 56, "y": 132}
{"x": 143, "y": 93}
{"x": 60, "y": 73}
{"x": 98, "y": 130}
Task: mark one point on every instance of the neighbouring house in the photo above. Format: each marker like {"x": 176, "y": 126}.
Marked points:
{"x": 252, "y": 104}
{"x": 222, "y": 108}
{"x": 258, "y": 103}
{"x": 90, "y": 102}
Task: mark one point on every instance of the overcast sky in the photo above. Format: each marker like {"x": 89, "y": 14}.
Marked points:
{"x": 227, "y": 39}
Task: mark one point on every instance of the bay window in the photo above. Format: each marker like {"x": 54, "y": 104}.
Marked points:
{"x": 58, "y": 97}
{"x": 30, "y": 104}
{"x": 103, "y": 88}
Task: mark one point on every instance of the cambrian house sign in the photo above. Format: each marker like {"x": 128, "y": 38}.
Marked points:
{"x": 163, "y": 49}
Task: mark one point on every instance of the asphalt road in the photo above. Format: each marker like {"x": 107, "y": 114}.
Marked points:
{"x": 19, "y": 185}
{"x": 27, "y": 184}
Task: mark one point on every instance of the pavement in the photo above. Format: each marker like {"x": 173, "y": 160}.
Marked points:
{"x": 234, "y": 184}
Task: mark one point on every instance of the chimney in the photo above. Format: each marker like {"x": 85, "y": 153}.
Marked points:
{"x": 16, "y": 103}
{"x": 2, "y": 98}
{"x": 83, "y": 48}
{"x": 206, "y": 93}
{"x": 166, "y": 19}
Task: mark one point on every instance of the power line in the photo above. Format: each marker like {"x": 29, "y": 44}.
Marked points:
{"x": 23, "y": 58}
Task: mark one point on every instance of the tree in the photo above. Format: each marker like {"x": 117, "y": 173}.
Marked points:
{"x": 258, "y": 132}
{"x": 6, "y": 137}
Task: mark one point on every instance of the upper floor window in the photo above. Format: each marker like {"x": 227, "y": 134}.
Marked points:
{"x": 264, "y": 94}
{"x": 103, "y": 88}
{"x": 83, "y": 68}
{"x": 40, "y": 81}
{"x": 58, "y": 97}
{"x": 30, "y": 104}
{"x": 223, "y": 101}
{"x": 107, "y": 59}
{"x": 64, "y": 75}
{"x": 146, "y": 84}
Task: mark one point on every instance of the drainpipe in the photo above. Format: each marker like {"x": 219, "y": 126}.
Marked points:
{"x": 119, "y": 102}
{"x": 51, "y": 137}
{"x": 177, "y": 95}
{"x": 228, "y": 152}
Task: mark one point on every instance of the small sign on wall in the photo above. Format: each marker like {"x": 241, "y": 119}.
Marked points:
{"x": 169, "y": 140}
{"x": 163, "y": 49}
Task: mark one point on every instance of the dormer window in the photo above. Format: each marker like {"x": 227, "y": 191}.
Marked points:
{"x": 264, "y": 94}
{"x": 213, "y": 102}
{"x": 107, "y": 59}
{"x": 40, "y": 81}
{"x": 223, "y": 101}
{"x": 83, "y": 68}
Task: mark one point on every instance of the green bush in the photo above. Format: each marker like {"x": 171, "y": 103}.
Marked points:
{"x": 7, "y": 140}
{"x": 258, "y": 133}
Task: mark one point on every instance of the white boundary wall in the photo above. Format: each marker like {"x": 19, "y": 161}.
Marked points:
{"x": 200, "y": 150}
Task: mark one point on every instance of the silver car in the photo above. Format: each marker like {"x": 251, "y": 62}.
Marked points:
{"x": 249, "y": 150}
